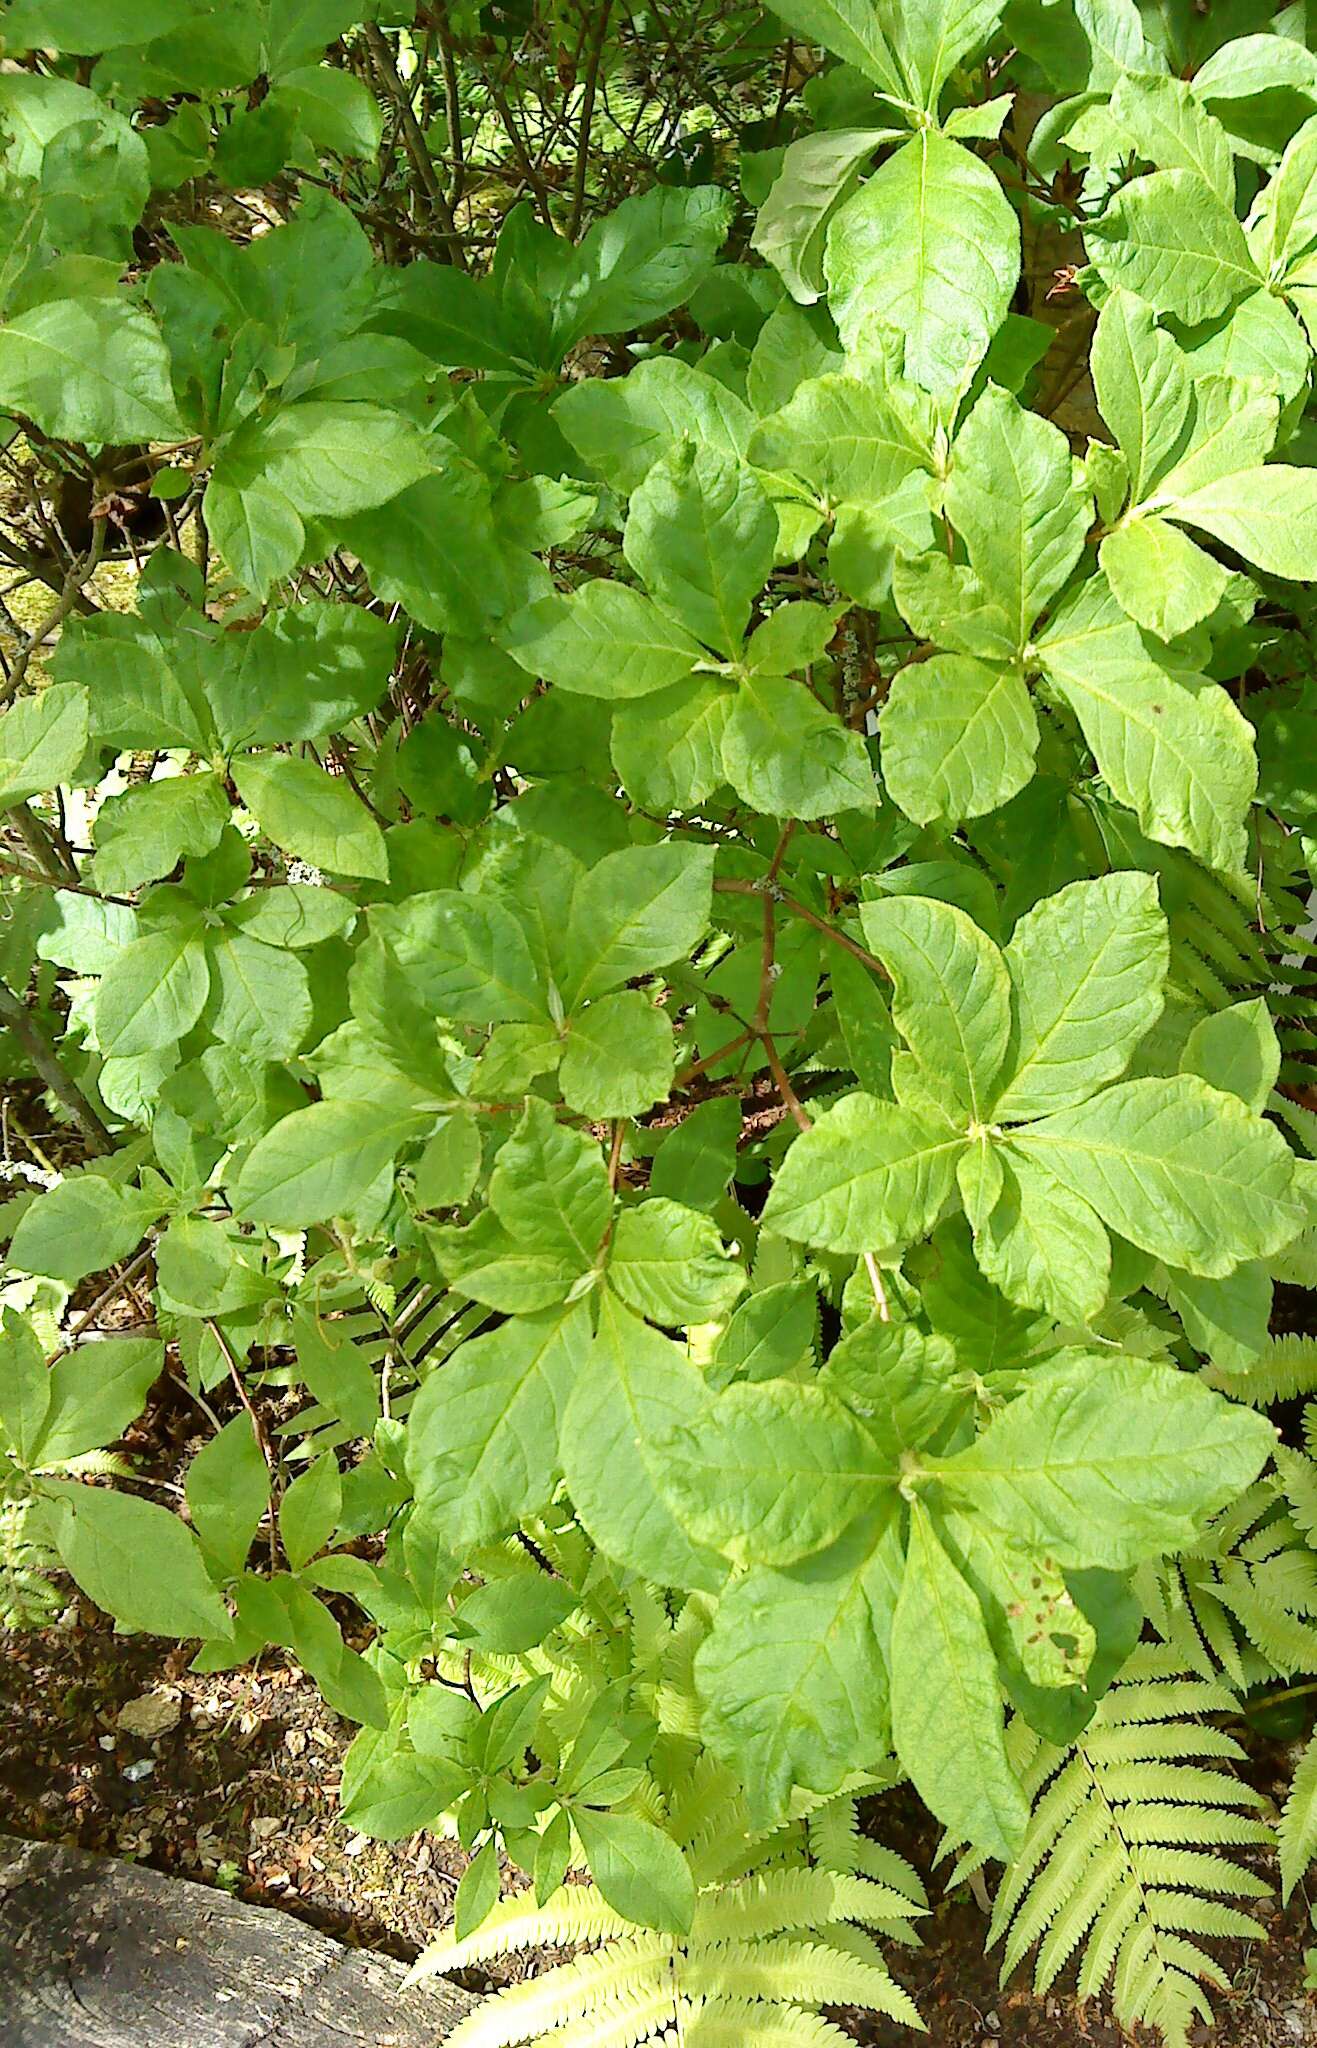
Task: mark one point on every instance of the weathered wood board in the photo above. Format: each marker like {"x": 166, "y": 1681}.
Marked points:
{"x": 95, "y": 1953}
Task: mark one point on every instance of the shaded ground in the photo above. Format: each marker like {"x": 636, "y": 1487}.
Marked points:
{"x": 239, "y": 1790}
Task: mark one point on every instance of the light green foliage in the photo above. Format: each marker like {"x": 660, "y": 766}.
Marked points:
{"x": 658, "y": 812}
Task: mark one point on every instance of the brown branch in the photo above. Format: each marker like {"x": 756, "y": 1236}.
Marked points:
{"x": 733, "y": 886}
{"x": 587, "y": 118}
{"x": 122, "y": 1281}
{"x": 413, "y": 140}
{"x": 78, "y": 574}
{"x": 15, "y": 1014}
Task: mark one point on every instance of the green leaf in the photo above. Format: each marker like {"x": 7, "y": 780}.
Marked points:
{"x": 24, "y": 1385}
{"x": 477, "y": 1892}
{"x": 772, "y": 1332}
{"x": 306, "y": 670}
{"x": 337, "y": 1374}
{"x": 434, "y": 550}
{"x": 482, "y": 1436}
{"x": 639, "y": 1870}
{"x": 952, "y": 997}
{"x": 331, "y": 460}
{"x": 1283, "y": 224}
{"x": 1228, "y": 1320}
{"x": 1298, "y": 1824}
{"x": 262, "y": 997}
{"x": 633, "y": 911}
{"x": 95, "y": 1392}
{"x": 769, "y": 1473}
{"x": 783, "y": 753}
{"x": 618, "y": 1058}
{"x": 634, "y": 1386}
{"x": 1179, "y": 1168}
{"x": 1267, "y": 514}
{"x": 1087, "y": 966}
{"x": 144, "y": 832}
{"x": 818, "y": 172}
{"x": 311, "y": 815}
{"x": 550, "y": 1188}
{"x": 947, "y": 1719}
{"x": 42, "y": 740}
{"x": 316, "y": 1162}
{"x": 465, "y": 955}
{"x": 668, "y": 750}
{"x": 669, "y": 1263}
{"x": 853, "y": 439}
{"x": 1108, "y": 1464}
{"x": 1013, "y": 499}
{"x": 84, "y": 1225}
{"x": 1157, "y": 574}
{"x": 869, "y": 1176}
{"x": 310, "y": 1509}
{"x": 1143, "y": 387}
{"x": 701, "y": 535}
{"x": 511, "y": 1616}
{"x": 1171, "y": 745}
{"x": 1232, "y": 426}
{"x": 153, "y": 991}
{"x": 792, "y": 1677}
{"x": 1041, "y": 1243}
{"x": 606, "y": 640}
{"x": 1236, "y": 1049}
{"x": 622, "y": 426}
{"x": 1166, "y": 121}
{"x": 1169, "y": 239}
{"x": 642, "y": 259}
{"x": 228, "y": 1491}
{"x": 958, "y": 737}
{"x": 446, "y": 1171}
{"x": 137, "y": 1561}
{"x": 333, "y": 109}
{"x": 852, "y": 30}
{"x": 791, "y": 638}
{"x": 89, "y": 369}
{"x": 931, "y": 247}
{"x": 931, "y": 41}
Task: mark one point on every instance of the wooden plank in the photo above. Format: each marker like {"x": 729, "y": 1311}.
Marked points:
{"x": 95, "y": 1953}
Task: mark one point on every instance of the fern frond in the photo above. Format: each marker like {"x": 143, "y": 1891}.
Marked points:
{"x": 1298, "y": 1476}
{"x": 1117, "y": 1865}
{"x": 1286, "y": 1369}
{"x": 623, "y": 1973}
{"x": 796, "y": 1972}
{"x": 575, "y": 1917}
{"x": 617, "y": 2023}
{"x": 792, "y": 1899}
{"x": 737, "y": 2023}
{"x": 1297, "y": 1832}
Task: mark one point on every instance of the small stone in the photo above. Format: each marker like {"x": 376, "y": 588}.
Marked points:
{"x": 106, "y": 1742}
{"x": 149, "y": 1717}
{"x": 141, "y": 1769}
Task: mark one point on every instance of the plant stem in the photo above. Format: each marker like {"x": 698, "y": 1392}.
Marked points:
{"x": 587, "y": 118}
{"x": 413, "y": 140}
{"x": 16, "y": 1016}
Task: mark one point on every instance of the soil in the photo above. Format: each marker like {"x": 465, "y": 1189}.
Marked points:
{"x": 108, "y": 1742}
{"x": 240, "y": 1790}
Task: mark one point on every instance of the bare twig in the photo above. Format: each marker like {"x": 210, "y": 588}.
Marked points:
{"x": 587, "y": 118}
{"x": 413, "y": 140}
{"x": 79, "y": 573}
{"x": 15, "y": 1014}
